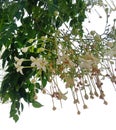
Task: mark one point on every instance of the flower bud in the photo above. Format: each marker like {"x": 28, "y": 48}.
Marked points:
{"x": 78, "y": 112}
{"x": 97, "y": 38}
{"x": 56, "y": 13}
{"x": 105, "y": 102}
{"x": 25, "y": 49}
{"x": 86, "y": 96}
{"x": 110, "y": 44}
{"x": 92, "y": 32}
{"x": 85, "y": 106}
{"x": 54, "y": 108}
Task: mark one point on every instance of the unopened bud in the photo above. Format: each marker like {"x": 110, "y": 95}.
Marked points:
{"x": 92, "y": 32}
{"x": 25, "y": 49}
{"x": 54, "y": 108}
{"x": 56, "y": 13}
{"x": 78, "y": 112}
{"x": 97, "y": 38}
{"x": 105, "y": 102}
{"x": 85, "y": 106}
{"x": 110, "y": 44}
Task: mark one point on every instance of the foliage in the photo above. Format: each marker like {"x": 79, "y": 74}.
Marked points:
{"x": 44, "y": 40}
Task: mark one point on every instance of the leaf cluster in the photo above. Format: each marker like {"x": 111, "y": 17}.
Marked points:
{"x": 21, "y": 20}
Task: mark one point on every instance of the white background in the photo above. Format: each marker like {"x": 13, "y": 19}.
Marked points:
{"x": 97, "y": 117}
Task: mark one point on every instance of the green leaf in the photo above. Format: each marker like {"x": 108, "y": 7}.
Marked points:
{"x": 22, "y": 106}
{"x": 36, "y": 104}
{"x": 13, "y": 112}
{"x": 5, "y": 56}
{"x": 38, "y": 86}
{"x": 16, "y": 118}
{"x": 44, "y": 79}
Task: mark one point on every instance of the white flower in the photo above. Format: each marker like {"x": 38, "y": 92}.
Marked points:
{"x": 87, "y": 61}
{"x": 39, "y": 63}
{"x": 19, "y": 61}
{"x": 44, "y": 38}
{"x": 33, "y": 79}
{"x": 65, "y": 60}
{"x": 19, "y": 68}
{"x": 25, "y": 49}
{"x": 59, "y": 60}
{"x": 35, "y": 61}
{"x": 18, "y": 64}
{"x": 85, "y": 64}
{"x": 42, "y": 64}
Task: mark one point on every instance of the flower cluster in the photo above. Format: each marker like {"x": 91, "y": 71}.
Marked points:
{"x": 80, "y": 63}
{"x": 18, "y": 64}
{"x": 81, "y": 71}
{"x": 38, "y": 63}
